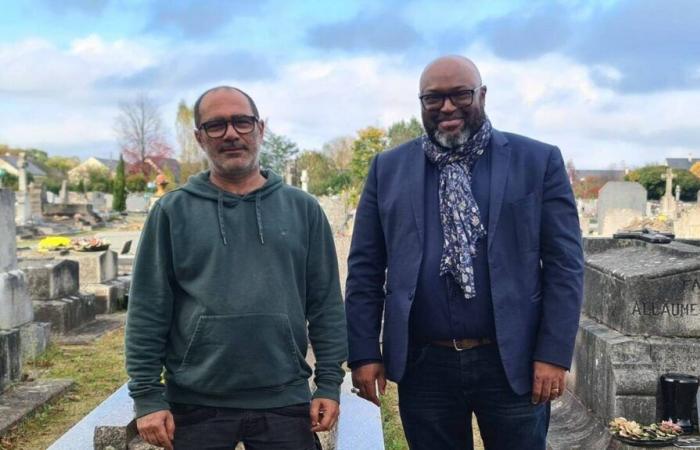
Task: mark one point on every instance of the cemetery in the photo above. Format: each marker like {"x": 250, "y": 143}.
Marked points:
{"x": 637, "y": 350}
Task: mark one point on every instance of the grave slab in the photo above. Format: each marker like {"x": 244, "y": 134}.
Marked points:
{"x": 24, "y": 398}
{"x": 50, "y": 280}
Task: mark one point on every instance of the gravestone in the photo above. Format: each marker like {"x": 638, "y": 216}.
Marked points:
{"x": 640, "y": 319}
{"x": 37, "y": 200}
{"x": 23, "y": 213}
{"x": 626, "y": 196}
{"x": 63, "y": 194}
{"x": 54, "y": 289}
{"x": 20, "y": 337}
{"x": 99, "y": 276}
{"x": 668, "y": 203}
{"x": 136, "y": 203}
{"x": 687, "y": 226}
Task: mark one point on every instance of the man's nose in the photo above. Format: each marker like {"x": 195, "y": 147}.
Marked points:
{"x": 448, "y": 106}
{"x": 231, "y": 132}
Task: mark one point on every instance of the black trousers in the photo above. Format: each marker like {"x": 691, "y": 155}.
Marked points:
{"x": 209, "y": 428}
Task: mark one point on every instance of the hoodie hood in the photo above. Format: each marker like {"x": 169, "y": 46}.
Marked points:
{"x": 200, "y": 186}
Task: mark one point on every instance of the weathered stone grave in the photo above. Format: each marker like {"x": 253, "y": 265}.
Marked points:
{"x": 137, "y": 203}
{"x": 99, "y": 276}
{"x": 20, "y": 336}
{"x": 54, "y": 290}
{"x": 619, "y": 204}
{"x": 641, "y": 319}
{"x": 687, "y": 226}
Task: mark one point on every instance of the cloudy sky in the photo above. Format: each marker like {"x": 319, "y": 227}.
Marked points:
{"x": 612, "y": 83}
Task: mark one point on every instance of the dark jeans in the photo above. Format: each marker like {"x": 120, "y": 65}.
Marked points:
{"x": 442, "y": 388}
{"x": 208, "y": 428}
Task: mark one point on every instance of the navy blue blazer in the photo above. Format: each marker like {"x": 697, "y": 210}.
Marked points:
{"x": 534, "y": 255}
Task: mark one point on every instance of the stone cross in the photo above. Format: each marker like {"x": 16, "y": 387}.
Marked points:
{"x": 305, "y": 180}
{"x": 668, "y": 176}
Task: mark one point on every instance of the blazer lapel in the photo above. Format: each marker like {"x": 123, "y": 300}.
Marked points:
{"x": 416, "y": 188}
{"x": 500, "y": 159}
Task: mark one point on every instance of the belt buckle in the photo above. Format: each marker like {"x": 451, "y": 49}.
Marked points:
{"x": 461, "y": 349}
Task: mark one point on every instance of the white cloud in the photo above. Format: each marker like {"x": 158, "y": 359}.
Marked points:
{"x": 553, "y": 99}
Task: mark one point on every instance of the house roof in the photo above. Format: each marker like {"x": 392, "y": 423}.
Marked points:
{"x": 681, "y": 163}
{"x": 111, "y": 164}
{"x": 32, "y": 168}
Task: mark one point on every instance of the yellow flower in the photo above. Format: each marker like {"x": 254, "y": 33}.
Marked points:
{"x": 54, "y": 243}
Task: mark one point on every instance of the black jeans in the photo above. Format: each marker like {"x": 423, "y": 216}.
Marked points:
{"x": 209, "y": 428}
{"x": 442, "y": 388}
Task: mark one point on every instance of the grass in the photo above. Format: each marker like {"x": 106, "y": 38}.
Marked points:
{"x": 97, "y": 369}
{"x": 391, "y": 422}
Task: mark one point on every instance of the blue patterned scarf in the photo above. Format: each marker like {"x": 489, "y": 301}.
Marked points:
{"x": 459, "y": 213}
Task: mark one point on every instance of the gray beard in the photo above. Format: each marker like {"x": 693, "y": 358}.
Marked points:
{"x": 451, "y": 140}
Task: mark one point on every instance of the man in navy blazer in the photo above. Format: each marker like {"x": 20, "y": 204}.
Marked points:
{"x": 467, "y": 249}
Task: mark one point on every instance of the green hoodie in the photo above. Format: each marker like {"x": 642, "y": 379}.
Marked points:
{"x": 222, "y": 289}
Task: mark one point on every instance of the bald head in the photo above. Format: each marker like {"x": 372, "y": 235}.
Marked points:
{"x": 449, "y": 66}
{"x": 198, "y": 103}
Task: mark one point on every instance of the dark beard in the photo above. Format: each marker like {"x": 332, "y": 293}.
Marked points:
{"x": 472, "y": 124}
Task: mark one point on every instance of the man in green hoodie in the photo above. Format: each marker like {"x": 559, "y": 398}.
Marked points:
{"x": 235, "y": 273}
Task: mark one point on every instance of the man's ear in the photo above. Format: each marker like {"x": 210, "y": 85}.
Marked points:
{"x": 261, "y": 123}
{"x": 198, "y": 136}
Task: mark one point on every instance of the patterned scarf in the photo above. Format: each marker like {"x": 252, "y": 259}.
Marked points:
{"x": 459, "y": 213}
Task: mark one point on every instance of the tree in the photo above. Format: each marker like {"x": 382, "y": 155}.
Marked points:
{"x": 140, "y": 133}
{"x": 369, "y": 142}
{"x": 119, "y": 192}
{"x": 192, "y": 159}
{"x": 61, "y": 164}
{"x": 403, "y": 131}
{"x": 340, "y": 151}
{"x": 136, "y": 183}
{"x": 276, "y": 151}
{"x": 650, "y": 178}
{"x": 324, "y": 177}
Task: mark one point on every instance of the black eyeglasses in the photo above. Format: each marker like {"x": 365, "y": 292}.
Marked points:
{"x": 217, "y": 128}
{"x": 462, "y": 99}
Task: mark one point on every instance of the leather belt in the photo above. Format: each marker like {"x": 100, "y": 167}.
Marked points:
{"x": 462, "y": 344}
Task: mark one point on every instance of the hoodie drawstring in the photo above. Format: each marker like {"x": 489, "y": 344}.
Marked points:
{"x": 221, "y": 218}
{"x": 258, "y": 217}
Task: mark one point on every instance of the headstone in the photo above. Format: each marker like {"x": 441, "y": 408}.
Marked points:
{"x": 616, "y": 220}
{"x": 136, "y": 203}
{"x": 23, "y": 213}
{"x": 20, "y": 337}
{"x": 620, "y": 195}
{"x": 97, "y": 200}
{"x": 15, "y": 306}
{"x": 63, "y": 194}
{"x": 641, "y": 318}
{"x": 678, "y": 193}
{"x": 99, "y": 276}
{"x": 305, "y": 180}
{"x": 687, "y": 226}
{"x": 37, "y": 200}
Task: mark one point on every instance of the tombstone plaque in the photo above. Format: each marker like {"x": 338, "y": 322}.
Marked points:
{"x": 620, "y": 195}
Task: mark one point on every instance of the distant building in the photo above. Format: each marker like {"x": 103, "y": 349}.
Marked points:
{"x": 681, "y": 163}
{"x": 82, "y": 170}
{"x": 9, "y": 164}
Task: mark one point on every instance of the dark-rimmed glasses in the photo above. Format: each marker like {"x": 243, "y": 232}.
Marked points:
{"x": 217, "y": 128}
{"x": 461, "y": 99}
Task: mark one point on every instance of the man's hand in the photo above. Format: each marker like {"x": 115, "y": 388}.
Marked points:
{"x": 366, "y": 378}
{"x": 157, "y": 428}
{"x": 548, "y": 382}
{"x": 324, "y": 413}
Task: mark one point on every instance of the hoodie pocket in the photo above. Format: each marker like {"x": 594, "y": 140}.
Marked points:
{"x": 238, "y": 352}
